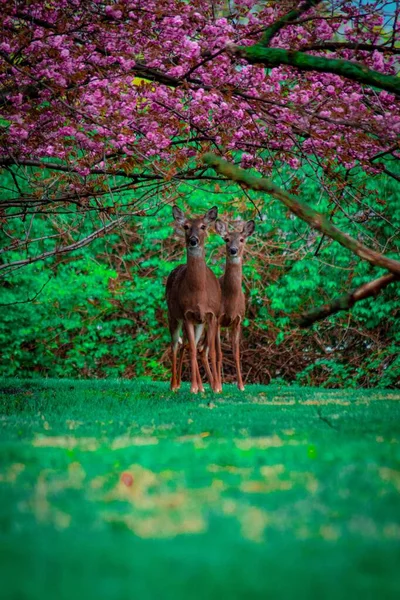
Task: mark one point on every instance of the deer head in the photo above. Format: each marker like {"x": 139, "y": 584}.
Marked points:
{"x": 235, "y": 240}
{"x": 195, "y": 230}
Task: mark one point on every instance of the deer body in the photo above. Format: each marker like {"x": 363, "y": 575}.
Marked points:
{"x": 194, "y": 299}
{"x": 233, "y": 302}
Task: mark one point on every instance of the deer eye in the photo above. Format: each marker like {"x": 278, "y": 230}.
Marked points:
{"x": 186, "y": 227}
{"x": 227, "y": 239}
{"x": 242, "y": 239}
{"x": 202, "y": 227}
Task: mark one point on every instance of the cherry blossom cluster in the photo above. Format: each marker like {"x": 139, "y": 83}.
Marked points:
{"x": 129, "y": 85}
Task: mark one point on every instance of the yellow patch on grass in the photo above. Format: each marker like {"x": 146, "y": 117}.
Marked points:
{"x": 12, "y": 473}
{"x": 263, "y": 443}
{"x": 390, "y": 475}
{"x": 69, "y": 442}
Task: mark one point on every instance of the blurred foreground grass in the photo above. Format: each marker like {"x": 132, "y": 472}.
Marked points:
{"x": 122, "y": 490}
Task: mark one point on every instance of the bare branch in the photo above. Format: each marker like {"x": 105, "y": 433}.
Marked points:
{"x": 64, "y": 249}
{"x": 345, "y": 302}
{"x": 28, "y": 299}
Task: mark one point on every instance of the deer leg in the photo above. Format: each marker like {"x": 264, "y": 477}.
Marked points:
{"x": 199, "y": 379}
{"x": 211, "y": 332}
{"x": 175, "y": 329}
{"x": 236, "y": 352}
{"x": 218, "y": 351}
{"x": 197, "y": 333}
{"x": 203, "y": 350}
{"x": 173, "y": 385}
{"x": 193, "y": 356}
{"x": 180, "y": 364}
{"x": 206, "y": 365}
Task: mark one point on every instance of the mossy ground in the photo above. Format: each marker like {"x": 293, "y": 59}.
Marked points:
{"x": 123, "y": 490}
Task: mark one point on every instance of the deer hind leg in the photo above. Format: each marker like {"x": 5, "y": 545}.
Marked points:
{"x": 236, "y": 352}
{"x": 204, "y": 351}
{"x": 176, "y": 340}
{"x": 197, "y": 334}
{"x": 204, "y": 359}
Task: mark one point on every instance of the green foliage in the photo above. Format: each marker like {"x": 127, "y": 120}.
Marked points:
{"x": 102, "y": 312}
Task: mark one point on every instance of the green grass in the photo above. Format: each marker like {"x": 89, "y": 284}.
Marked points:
{"x": 122, "y": 490}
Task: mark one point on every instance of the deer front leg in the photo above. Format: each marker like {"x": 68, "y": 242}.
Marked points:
{"x": 236, "y": 352}
{"x": 193, "y": 356}
{"x": 180, "y": 365}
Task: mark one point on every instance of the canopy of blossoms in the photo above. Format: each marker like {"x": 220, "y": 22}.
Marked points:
{"x": 110, "y": 96}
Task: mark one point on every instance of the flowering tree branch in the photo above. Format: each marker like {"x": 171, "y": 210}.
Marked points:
{"x": 274, "y": 57}
{"x": 261, "y": 53}
{"x": 134, "y": 94}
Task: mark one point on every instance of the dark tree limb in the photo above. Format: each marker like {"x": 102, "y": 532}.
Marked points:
{"x": 389, "y": 172}
{"x": 345, "y": 302}
{"x": 274, "y": 57}
{"x": 302, "y": 210}
{"x": 288, "y": 18}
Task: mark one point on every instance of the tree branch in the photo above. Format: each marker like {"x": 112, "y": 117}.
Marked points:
{"x": 27, "y": 162}
{"x": 274, "y": 57}
{"x": 64, "y": 249}
{"x": 288, "y": 18}
{"x": 345, "y": 302}
{"x": 28, "y": 299}
{"x": 302, "y": 210}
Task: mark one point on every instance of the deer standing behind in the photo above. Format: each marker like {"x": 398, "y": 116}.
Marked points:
{"x": 194, "y": 299}
{"x": 233, "y": 302}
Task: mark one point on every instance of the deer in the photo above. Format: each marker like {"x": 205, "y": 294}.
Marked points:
{"x": 193, "y": 298}
{"x": 233, "y": 303}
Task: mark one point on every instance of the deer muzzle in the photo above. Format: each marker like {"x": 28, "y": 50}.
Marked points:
{"x": 193, "y": 241}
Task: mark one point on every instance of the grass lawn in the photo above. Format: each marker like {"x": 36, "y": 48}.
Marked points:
{"x": 122, "y": 490}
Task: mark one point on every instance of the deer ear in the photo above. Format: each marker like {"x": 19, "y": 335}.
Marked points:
{"x": 210, "y": 215}
{"x": 248, "y": 228}
{"x": 178, "y": 215}
{"x": 221, "y": 228}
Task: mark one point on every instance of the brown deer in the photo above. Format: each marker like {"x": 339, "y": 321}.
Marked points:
{"x": 233, "y": 304}
{"x": 194, "y": 299}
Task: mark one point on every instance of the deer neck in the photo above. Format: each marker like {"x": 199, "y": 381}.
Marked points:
{"x": 196, "y": 268}
{"x": 233, "y": 274}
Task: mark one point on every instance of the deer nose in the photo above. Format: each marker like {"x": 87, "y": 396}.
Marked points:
{"x": 193, "y": 241}
{"x": 233, "y": 251}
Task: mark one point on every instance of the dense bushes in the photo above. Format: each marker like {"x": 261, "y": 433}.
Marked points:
{"x": 101, "y": 312}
